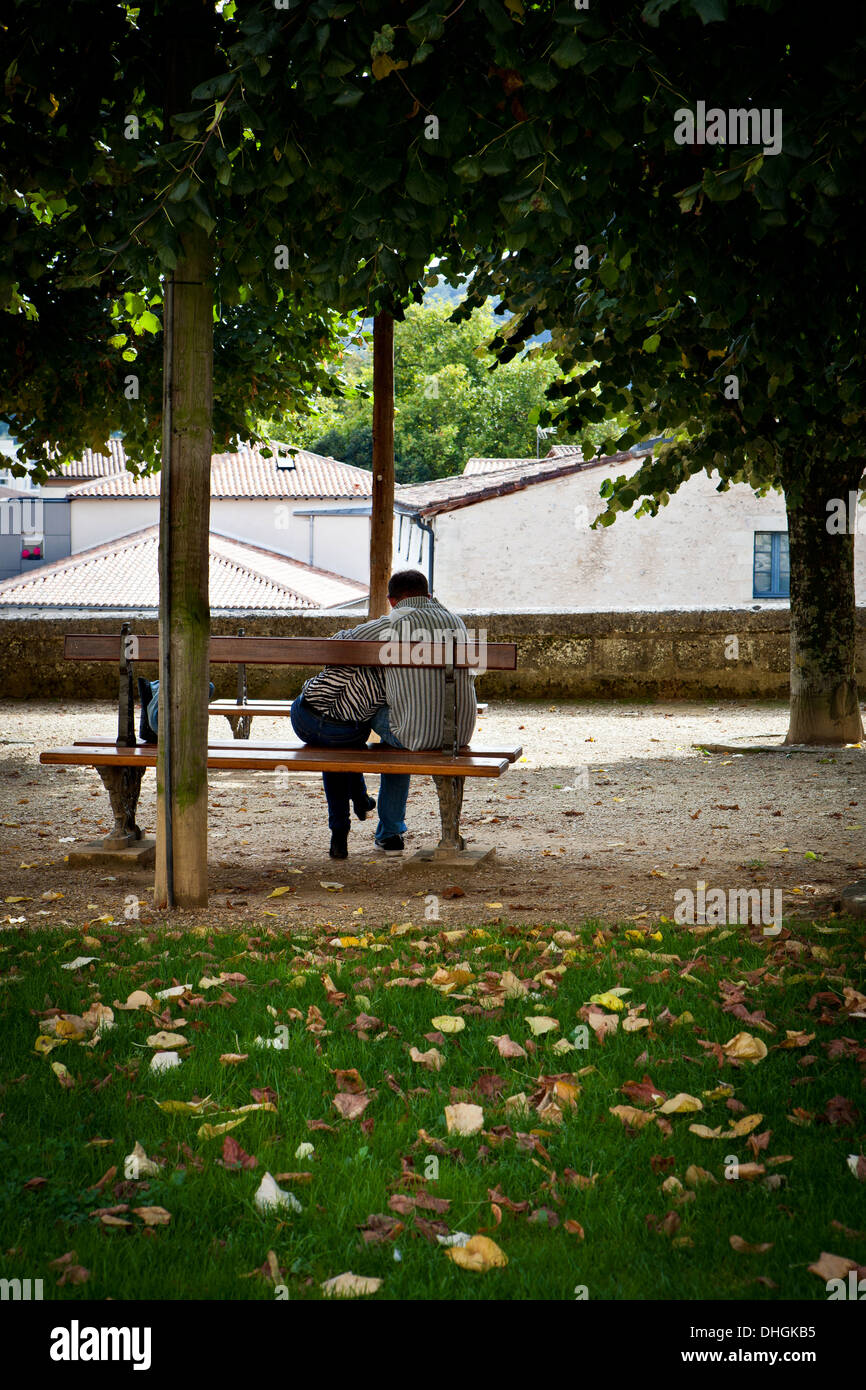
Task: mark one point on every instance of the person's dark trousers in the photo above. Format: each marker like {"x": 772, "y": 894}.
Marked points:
{"x": 341, "y": 788}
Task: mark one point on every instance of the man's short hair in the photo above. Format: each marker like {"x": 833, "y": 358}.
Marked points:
{"x": 407, "y": 584}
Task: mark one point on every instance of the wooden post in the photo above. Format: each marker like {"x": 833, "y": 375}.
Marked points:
{"x": 184, "y": 507}
{"x": 184, "y": 609}
{"x": 382, "y": 515}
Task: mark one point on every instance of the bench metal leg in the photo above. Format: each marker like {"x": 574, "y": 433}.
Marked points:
{"x": 240, "y": 724}
{"x": 451, "y": 850}
{"x": 123, "y": 785}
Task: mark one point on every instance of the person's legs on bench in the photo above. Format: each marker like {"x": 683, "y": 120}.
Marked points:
{"x": 393, "y": 793}
{"x": 341, "y": 788}
{"x": 148, "y": 694}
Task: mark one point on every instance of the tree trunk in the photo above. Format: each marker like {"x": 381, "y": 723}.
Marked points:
{"x": 824, "y": 703}
{"x": 184, "y": 609}
{"x": 382, "y": 517}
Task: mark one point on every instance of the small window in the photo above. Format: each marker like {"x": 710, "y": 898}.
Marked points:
{"x": 772, "y": 576}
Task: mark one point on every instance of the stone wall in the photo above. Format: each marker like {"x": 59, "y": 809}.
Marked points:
{"x": 561, "y": 655}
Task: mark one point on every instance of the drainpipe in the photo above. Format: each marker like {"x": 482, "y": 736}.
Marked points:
{"x": 427, "y": 526}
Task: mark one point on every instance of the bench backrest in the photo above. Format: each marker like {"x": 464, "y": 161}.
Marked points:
{"x": 450, "y": 652}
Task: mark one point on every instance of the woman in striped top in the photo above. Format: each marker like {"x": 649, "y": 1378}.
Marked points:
{"x": 334, "y": 710}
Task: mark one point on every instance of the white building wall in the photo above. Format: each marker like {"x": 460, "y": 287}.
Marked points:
{"x": 535, "y": 549}
{"x": 95, "y": 520}
{"x": 340, "y": 543}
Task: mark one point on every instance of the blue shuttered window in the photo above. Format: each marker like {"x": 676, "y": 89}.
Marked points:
{"x": 771, "y": 575}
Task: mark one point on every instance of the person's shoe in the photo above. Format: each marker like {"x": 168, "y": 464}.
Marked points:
{"x": 392, "y": 844}
{"x": 339, "y": 844}
{"x": 363, "y": 808}
{"x": 145, "y": 693}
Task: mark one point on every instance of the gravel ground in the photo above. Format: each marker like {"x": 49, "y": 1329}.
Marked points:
{"x": 608, "y": 813}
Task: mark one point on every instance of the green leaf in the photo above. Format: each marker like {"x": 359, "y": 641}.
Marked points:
{"x": 180, "y": 190}
{"x": 469, "y": 169}
{"x": 651, "y": 343}
{"x": 350, "y": 96}
{"x": 423, "y": 188}
{"x": 569, "y": 52}
{"x": 147, "y": 323}
{"x": 710, "y": 11}
{"x": 213, "y": 87}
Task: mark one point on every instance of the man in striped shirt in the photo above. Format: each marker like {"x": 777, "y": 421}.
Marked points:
{"x": 414, "y": 714}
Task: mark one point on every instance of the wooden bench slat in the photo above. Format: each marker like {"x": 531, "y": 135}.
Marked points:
{"x": 300, "y": 760}
{"x": 293, "y": 744}
{"x": 297, "y": 651}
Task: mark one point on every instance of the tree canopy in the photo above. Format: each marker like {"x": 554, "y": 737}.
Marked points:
{"x": 450, "y": 404}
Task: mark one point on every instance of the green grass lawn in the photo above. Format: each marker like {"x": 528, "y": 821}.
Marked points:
{"x": 618, "y": 1232}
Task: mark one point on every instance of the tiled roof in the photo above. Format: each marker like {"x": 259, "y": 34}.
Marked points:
{"x": 123, "y": 574}
{"x": 558, "y": 451}
{"x": 92, "y": 465}
{"x": 246, "y": 474}
{"x": 475, "y": 466}
{"x": 448, "y": 494}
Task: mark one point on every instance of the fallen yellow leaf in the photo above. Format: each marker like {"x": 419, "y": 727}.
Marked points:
{"x": 209, "y": 1131}
{"x": 540, "y": 1023}
{"x": 449, "y": 1023}
{"x": 349, "y": 1285}
{"x": 478, "y": 1254}
{"x": 681, "y": 1104}
{"x": 746, "y": 1048}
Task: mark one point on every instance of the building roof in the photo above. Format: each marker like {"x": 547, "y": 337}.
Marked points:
{"x": 498, "y": 465}
{"x": 90, "y": 465}
{"x": 448, "y": 494}
{"x": 123, "y": 574}
{"x": 246, "y": 474}
{"x": 558, "y": 451}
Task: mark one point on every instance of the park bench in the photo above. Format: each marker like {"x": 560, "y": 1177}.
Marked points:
{"x": 122, "y": 762}
{"x": 241, "y": 711}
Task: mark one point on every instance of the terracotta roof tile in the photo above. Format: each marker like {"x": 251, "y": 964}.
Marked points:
{"x": 475, "y": 466}
{"x": 92, "y": 465}
{"x": 245, "y": 473}
{"x": 448, "y": 494}
{"x": 124, "y": 574}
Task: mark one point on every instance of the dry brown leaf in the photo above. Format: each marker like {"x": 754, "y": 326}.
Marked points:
{"x": 164, "y": 1040}
{"x": 743, "y": 1247}
{"x": 351, "y": 1106}
{"x": 432, "y": 1059}
{"x": 630, "y": 1115}
{"x": 748, "y": 1171}
{"x": 464, "y": 1119}
{"x": 506, "y": 1047}
{"x": 349, "y": 1082}
{"x": 829, "y": 1266}
{"x": 695, "y": 1175}
{"x": 153, "y": 1216}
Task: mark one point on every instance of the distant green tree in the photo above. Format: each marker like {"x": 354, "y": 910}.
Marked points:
{"x": 450, "y": 404}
